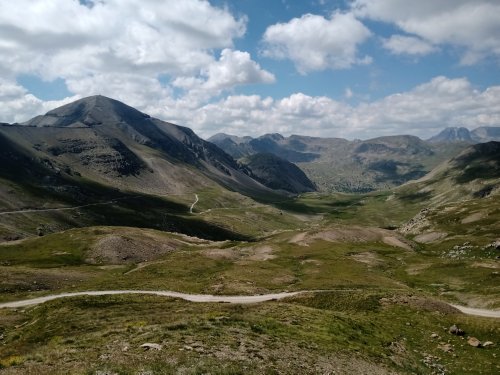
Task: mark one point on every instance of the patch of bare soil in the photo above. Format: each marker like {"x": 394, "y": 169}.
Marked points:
{"x": 299, "y": 239}
{"x": 264, "y": 252}
{"x": 430, "y": 237}
{"x": 222, "y": 254}
{"x": 352, "y": 234}
{"x": 396, "y": 242}
{"x": 486, "y": 264}
{"x": 474, "y": 217}
{"x": 367, "y": 257}
{"x": 415, "y": 269}
{"x": 122, "y": 248}
{"x": 253, "y": 253}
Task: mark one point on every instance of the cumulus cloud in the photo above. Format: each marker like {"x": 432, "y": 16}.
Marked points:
{"x": 232, "y": 69}
{"x": 66, "y": 38}
{"x": 400, "y": 44}
{"x": 422, "y": 111}
{"x": 18, "y": 104}
{"x": 471, "y": 25}
{"x": 313, "y": 42}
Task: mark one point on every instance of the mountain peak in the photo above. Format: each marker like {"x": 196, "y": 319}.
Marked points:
{"x": 88, "y": 112}
{"x": 452, "y": 134}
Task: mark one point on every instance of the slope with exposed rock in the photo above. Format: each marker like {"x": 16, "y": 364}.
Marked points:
{"x": 106, "y": 141}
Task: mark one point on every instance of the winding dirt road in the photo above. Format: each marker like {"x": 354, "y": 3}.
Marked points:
{"x": 188, "y": 297}
{"x": 38, "y": 210}
{"x": 208, "y": 298}
{"x": 478, "y": 312}
{"x": 192, "y": 206}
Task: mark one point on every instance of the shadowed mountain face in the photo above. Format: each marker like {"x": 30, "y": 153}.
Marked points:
{"x": 110, "y": 142}
{"x": 335, "y": 164}
{"x": 277, "y": 173}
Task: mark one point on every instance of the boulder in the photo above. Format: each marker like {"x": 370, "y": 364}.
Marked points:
{"x": 454, "y": 330}
{"x": 447, "y": 348}
{"x": 151, "y": 346}
{"x": 472, "y": 341}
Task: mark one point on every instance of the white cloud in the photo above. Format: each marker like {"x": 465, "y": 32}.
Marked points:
{"x": 63, "y": 38}
{"x": 18, "y": 105}
{"x": 400, "y": 44}
{"x": 234, "y": 68}
{"x": 313, "y": 42}
{"x": 423, "y": 111}
{"x": 471, "y": 25}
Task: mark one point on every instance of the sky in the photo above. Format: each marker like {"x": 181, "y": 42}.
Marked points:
{"x": 328, "y": 68}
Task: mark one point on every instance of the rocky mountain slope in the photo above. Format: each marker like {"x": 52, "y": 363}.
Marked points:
{"x": 336, "y": 164}
{"x": 109, "y": 142}
{"x": 98, "y": 161}
{"x": 277, "y": 173}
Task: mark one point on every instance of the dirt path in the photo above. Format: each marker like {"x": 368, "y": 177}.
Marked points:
{"x": 184, "y": 296}
{"x": 37, "y": 210}
{"x": 192, "y": 206}
{"x": 208, "y": 298}
{"x": 478, "y": 312}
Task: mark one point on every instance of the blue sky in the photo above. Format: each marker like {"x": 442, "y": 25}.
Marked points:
{"x": 337, "y": 68}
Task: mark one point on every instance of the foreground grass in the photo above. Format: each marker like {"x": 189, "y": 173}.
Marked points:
{"x": 313, "y": 334}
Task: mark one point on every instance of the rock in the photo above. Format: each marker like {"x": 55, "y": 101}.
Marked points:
{"x": 447, "y": 348}
{"x": 472, "y": 341}
{"x": 488, "y": 343}
{"x": 148, "y": 346}
{"x": 434, "y": 336}
{"x": 454, "y": 330}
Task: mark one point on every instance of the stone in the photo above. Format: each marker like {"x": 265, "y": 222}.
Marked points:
{"x": 149, "y": 346}
{"x": 472, "y": 341}
{"x": 488, "y": 343}
{"x": 454, "y": 330}
{"x": 434, "y": 336}
{"x": 447, "y": 348}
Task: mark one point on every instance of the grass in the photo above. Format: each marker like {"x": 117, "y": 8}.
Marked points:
{"x": 105, "y": 334}
{"x": 346, "y": 329}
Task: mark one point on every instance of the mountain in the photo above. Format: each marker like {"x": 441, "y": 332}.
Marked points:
{"x": 111, "y": 143}
{"x": 486, "y": 134}
{"x": 98, "y": 161}
{"x": 474, "y": 173}
{"x": 452, "y": 134}
{"x": 478, "y": 135}
{"x": 336, "y": 164}
{"x": 277, "y": 173}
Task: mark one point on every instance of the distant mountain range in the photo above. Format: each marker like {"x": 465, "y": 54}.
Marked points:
{"x": 478, "y": 135}
{"x": 336, "y": 164}
{"x": 107, "y": 142}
